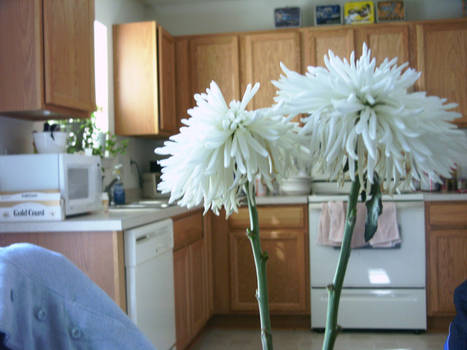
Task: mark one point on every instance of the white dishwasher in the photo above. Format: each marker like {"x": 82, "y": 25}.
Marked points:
{"x": 150, "y": 281}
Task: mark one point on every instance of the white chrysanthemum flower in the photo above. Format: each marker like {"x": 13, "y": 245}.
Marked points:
{"x": 224, "y": 147}
{"x": 364, "y": 116}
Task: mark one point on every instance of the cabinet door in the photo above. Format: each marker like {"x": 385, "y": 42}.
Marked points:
{"x": 135, "y": 78}
{"x": 317, "y": 43}
{"x": 260, "y": 58}
{"x": 285, "y": 271}
{"x": 442, "y": 57}
{"x": 168, "y": 119}
{"x": 98, "y": 254}
{"x": 69, "y": 53}
{"x": 215, "y": 58}
{"x": 385, "y": 41}
{"x": 198, "y": 286}
{"x": 184, "y": 91}
{"x": 182, "y": 287}
{"x": 447, "y": 269}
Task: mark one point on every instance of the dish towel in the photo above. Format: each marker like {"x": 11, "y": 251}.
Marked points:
{"x": 324, "y": 226}
{"x": 387, "y": 235}
{"x": 332, "y": 224}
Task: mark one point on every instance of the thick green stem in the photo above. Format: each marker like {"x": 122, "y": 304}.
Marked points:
{"x": 334, "y": 290}
{"x": 260, "y": 264}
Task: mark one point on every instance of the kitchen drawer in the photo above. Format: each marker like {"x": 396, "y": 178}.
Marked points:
{"x": 188, "y": 229}
{"x": 272, "y": 217}
{"x": 447, "y": 214}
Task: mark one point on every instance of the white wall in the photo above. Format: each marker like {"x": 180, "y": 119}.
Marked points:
{"x": 110, "y": 12}
{"x": 188, "y": 17}
{"x": 201, "y": 17}
{"x": 16, "y": 135}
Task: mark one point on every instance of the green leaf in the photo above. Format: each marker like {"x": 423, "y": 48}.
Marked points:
{"x": 374, "y": 208}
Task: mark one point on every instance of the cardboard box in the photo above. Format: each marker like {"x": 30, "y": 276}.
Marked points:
{"x": 328, "y": 14}
{"x": 31, "y": 206}
{"x": 359, "y": 12}
{"x": 388, "y": 11}
{"x": 287, "y": 17}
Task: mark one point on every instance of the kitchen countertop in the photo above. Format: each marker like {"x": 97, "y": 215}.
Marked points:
{"x": 114, "y": 220}
{"x": 414, "y": 196}
{"x": 123, "y": 219}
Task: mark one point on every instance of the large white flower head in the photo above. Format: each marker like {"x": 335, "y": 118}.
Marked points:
{"x": 364, "y": 117}
{"x": 222, "y": 148}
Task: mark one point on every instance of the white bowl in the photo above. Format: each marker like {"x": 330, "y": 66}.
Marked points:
{"x": 299, "y": 185}
{"x": 46, "y": 144}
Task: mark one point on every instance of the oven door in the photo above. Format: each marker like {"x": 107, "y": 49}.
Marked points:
{"x": 403, "y": 308}
{"x": 375, "y": 268}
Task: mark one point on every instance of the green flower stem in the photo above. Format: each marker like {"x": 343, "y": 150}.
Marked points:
{"x": 260, "y": 264}
{"x": 334, "y": 290}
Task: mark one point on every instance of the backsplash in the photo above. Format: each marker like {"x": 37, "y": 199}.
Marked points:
{"x": 16, "y": 135}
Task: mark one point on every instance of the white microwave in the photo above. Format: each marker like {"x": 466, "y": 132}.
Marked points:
{"x": 77, "y": 177}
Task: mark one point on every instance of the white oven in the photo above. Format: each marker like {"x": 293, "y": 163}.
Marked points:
{"x": 384, "y": 288}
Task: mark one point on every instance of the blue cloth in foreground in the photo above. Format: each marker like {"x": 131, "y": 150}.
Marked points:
{"x": 457, "y": 338}
{"x": 46, "y": 302}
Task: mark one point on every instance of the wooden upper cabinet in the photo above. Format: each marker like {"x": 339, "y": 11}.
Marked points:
{"x": 49, "y": 69}
{"x": 317, "y": 43}
{"x": 69, "y": 69}
{"x": 442, "y": 59}
{"x": 144, "y": 74}
{"x": 183, "y": 95}
{"x": 385, "y": 41}
{"x": 261, "y": 55}
{"x": 168, "y": 120}
{"x": 215, "y": 57}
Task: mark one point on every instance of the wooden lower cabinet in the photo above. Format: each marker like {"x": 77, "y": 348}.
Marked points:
{"x": 447, "y": 268}
{"x": 191, "y": 278}
{"x": 285, "y": 271}
{"x": 98, "y": 254}
{"x": 182, "y": 298}
{"x": 446, "y": 254}
{"x": 284, "y": 236}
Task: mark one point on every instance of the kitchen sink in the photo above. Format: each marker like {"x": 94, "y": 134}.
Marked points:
{"x": 144, "y": 204}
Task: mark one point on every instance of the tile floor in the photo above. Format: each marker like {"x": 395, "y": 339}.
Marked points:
{"x": 300, "y": 339}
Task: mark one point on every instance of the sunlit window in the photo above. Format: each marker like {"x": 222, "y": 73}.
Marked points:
{"x": 101, "y": 76}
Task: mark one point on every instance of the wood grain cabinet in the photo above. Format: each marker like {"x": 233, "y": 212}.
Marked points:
{"x": 317, "y": 43}
{"x": 98, "y": 254}
{"x": 442, "y": 59}
{"x": 48, "y": 71}
{"x": 284, "y": 236}
{"x": 446, "y": 254}
{"x": 144, "y": 79}
{"x": 385, "y": 41}
{"x": 260, "y": 57}
{"x": 191, "y": 277}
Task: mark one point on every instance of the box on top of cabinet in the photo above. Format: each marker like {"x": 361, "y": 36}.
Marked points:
{"x": 359, "y": 12}
{"x": 387, "y": 11}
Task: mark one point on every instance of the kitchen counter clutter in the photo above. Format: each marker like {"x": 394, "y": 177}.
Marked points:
{"x": 123, "y": 219}
{"x": 114, "y": 220}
